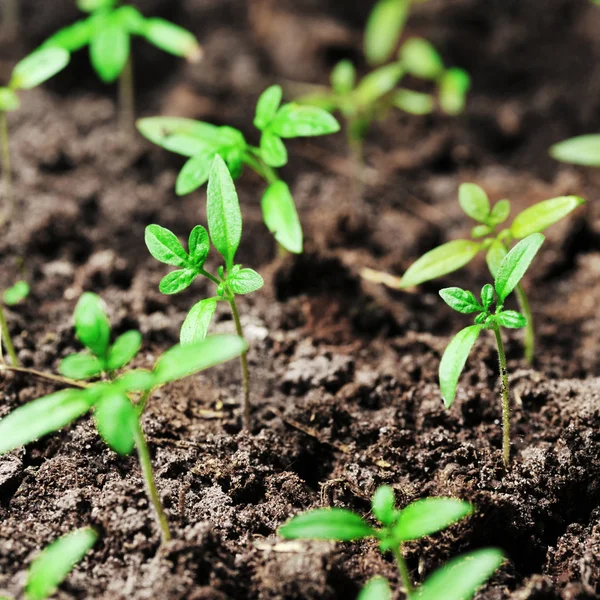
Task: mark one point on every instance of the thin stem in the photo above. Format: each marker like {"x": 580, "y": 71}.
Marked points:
{"x": 143, "y": 401}
{"x": 529, "y": 331}
{"x": 9, "y": 202}
{"x": 4, "y": 333}
{"x": 244, "y": 363}
{"x": 404, "y": 574}
{"x": 148, "y": 474}
{"x": 356, "y": 146}
{"x": 127, "y": 98}
{"x": 505, "y": 396}
{"x": 211, "y": 277}
{"x": 48, "y": 376}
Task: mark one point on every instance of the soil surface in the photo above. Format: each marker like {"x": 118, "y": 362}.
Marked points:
{"x": 344, "y": 372}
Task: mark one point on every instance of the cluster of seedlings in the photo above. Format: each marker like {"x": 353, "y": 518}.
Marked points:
{"x": 100, "y": 379}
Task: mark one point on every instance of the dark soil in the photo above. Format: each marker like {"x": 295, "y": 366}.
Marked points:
{"x": 344, "y": 372}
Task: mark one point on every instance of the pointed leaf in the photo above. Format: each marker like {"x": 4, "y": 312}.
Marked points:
{"x": 327, "y": 524}
{"x": 415, "y": 103}
{"x": 80, "y": 366}
{"x": 453, "y": 87}
{"x": 124, "y": 350}
{"x": 543, "y": 214}
{"x": 377, "y": 588}
{"x": 172, "y": 39}
{"x": 480, "y": 231}
{"x": 16, "y": 293}
{"x": 177, "y": 281}
{"x": 72, "y": 38}
{"x": 38, "y": 67}
{"x": 196, "y": 324}
{"x": 421, "y": 59}
{"x": 474, "y": 202}
{"x": 109, "y": 51}
{"x": 267, "y": 106}
{"x": 92, "y": 327}
{"x": 494, "y": 257}
{"x": 487, "y": 295}
{"x": 136, "y": 380}
{"x": 454, "y": 360}
{"x": 245, "y": 281}
{"x": 378, "y": 83}
{"x": 194, "y": 173}
{"x": 461, "y": 300}
{"x": 500, "y": 212}
{"x": 273, "y": 150}
{"x": 296, "y": 120}
{"x": 164, "y": 246}
{"x": 383, "y": 504}
{"x": 511, "y": 319}
{"x": 281, "y": 217}
{"x": 581, "y": 150}
{"x": 384, "y": 28}
{"x": 343, "y": 77}
{"x": 198, "y": 245}
{"x": 115, "y": 418}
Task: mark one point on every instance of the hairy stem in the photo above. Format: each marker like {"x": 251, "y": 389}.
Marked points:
{"x": 505, "y": 396}
{"x": 529, "y": 331}
{"x": 5, "y": 334}
{"x": 6, "y": 170}
{"x": 404, "y": 574}
{"x": 244, "y": 364}
{"x": 127, "y": 98}
{"x": 148, "y": 474}
{"x": 48, "y": 376}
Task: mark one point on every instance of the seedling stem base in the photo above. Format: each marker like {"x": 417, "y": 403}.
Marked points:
{"x": 5, "y": 336}
{"x": 404, "y": 574}
{"x": 505, "y": 397}
{"x": 246, "y": 419}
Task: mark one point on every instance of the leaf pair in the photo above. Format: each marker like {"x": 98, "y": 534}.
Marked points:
{"x": 16, "y": 293}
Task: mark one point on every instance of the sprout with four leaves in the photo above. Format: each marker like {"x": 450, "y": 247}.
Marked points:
{"x": 458, "y": 580}
{"x": 119, "y": 401}
{"x": 510, "y": 272}
{"x": 201, "y": 142}
{"x": 11, "y": 297}
{"x": 225, "y": 227}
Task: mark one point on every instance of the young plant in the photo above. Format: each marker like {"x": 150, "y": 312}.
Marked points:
{"x": 30, "y": 72}
{"x": 225, "y": 227}
{"x": 108, "y": 31}
{"x": 52, "y": 565}
{"x": 118, "y": 401}
{"x": 581, "y": 150}
{"x": 11, "y": 297}
{"x": 201, "y": 142}
{"x": 419, "y": 519}
{"x": 489, "y": 238}
{"x": 510, "y": 271}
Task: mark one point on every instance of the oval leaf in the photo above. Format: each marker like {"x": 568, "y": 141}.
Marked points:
{"x": 454, "y": 360}
{"x": 421, "y": 59}
{"x": 378, "y": 83}
{"x": 500, "y": 212}
{"x": 109, "y": 51}
{"x": 164, "y": 246}
{"x": 383, "y": 504}
{"x": 245, "y": 281}
{"x": 384, "y": 28}
{"x": 487, "y": 295}
{"x": 92, "y": 327}
{"x": 327, "y": 524}
{"x": 296, "y": 120}
{"x": 177, "y": 281}
{"x": 38, "y": 67}
{"x": 16, "y": 293}
{"x": 124, "y": 350}
{"x": 72, "y": 38}
{"x": 415, "y": 103}
{"x": 461, "y": 300}
{"x": 581, "y": 150}
{"x": 281, "y": 217}
{"x": 543, "y": 214}
{"x": 273, "y": 150}
{"x": 453, "y": 87}
{"x": 80, "y": 366}
{"x": 196, "y": 324}
{"x": 377, "y": 588}
{"x": 343, "y": 78}
{"x": 172, "y": 39}
{"x": 194, "y": 173}
{"x": 267, "y": 106}
{"x": 199, "y": 245}
{"x": 494, "y": 257}
{"x": 474, "y": 202}
{"x": 115, "y": 418}
{"x": 511, "y": 319}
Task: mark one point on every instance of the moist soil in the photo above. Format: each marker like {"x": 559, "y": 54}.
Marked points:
{"x": 344, "y": 372}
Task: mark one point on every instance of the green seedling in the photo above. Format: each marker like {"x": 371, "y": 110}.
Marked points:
{"x": 11, "y": 297}
{"x": 30, "y": 72}
{"x": 52, "y": 565}
{"x": 225, "y": 227}
{"x": 118, "y": 401}
{"x": 201, "y": 142}
{"x": 510, "y": 271}
{"x": 398, "y": 526}
{"x": 582, "y": 150}
{"x": 108, "y": 32}
{"x": 488, "y": 237}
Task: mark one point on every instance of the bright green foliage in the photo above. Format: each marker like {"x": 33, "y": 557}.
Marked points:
{"x": 202, "y": 142}
{"x": 581, "y": 150}
{"x": 384, "y": 28}
{"x": 56, "y": 561}
{"x": 377, "y": 588}
{"x": 108, "y": 31}
{"x": 16, "y": 293}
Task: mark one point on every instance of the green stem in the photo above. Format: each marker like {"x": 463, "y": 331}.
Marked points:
{"x": 127, "y": 98}
{"x": 6, "y": 170}
{"x": 48, "y": 376}
{"x": 4, "y": 333}
{"x": 356, "y": 146}
{"x": 143, "y": 401}
{"x": 404, "y": 574}
{"x": 505, "y": 396}
{"x": 245, "y": 371}
{"x": 529, "y": 331}
{"x": 147, "y": 473}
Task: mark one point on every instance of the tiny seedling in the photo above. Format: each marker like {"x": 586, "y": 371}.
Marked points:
{"x": 201, "y": 142}
{"x": 118, "y": 401}
{"x": 582, "y": 150}
{"x": 30, "y": 72}
{"x": 419, "y": 519}
{"x": 510, "y": 271}
{"x": 451, "y": 256}
{"x": 11, "y": 297}
{"x": 52, "y": 565}
{"x": 108, "y": 31}
{"x": 225, "y": 227}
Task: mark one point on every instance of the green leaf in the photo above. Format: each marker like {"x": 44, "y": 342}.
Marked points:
{"x": 326, "y": 524}
{"x": 199, "y": 245}
{"x": 80, "y": 366}
{"x": 421, "y": 59}
{"x": 181, "y": 361}
{"x": 415, "y": 103}
{"x": 196, "y": 324}
{"x": 453, "y": 87}
{"x": 9, "y": 100}
{"x": 194, "y": 173}
{"x": 454, "y": 360}
{"x": 480, "y": 231}
{"x": 296, "y": 120}
{"x": 16, "y": 293}
{"x": 384, "y": 28}
{"x": 38, "y": 67}
{"x": 124, "y": 350}
{"x": 72, "y": 38}
{"x": 115, "y": 418}
{"x": 343, "y": 77}
{"x": 515, "y": 264}
{"x": 281, "y": 217}
{"x": 377, "y": 588}
{"x": 56, "y": 561}
{"x": 92, "y": 327}
{"x": 383, "y": 504}
{"x": 164, "y": 246}
{"x": 461, "y": 577}
{"x": 428, "y": 516}
{"x": 581, "y": 150}
{"x": 500, "y": 212}
{"x": 177, "y": 281}
{"x": 109, "y": 51}
{"x": 378, "y": 83}
{"x": 94, "y": 5}
{"x": 136, "y": 380}
{"x": 543, "y": 214}
{"x": 511, "y": 319}
{"x": 131, "y": 19}
{"x": 273, "y": 150}
{"x": 494, "y": 257}
{"x": 487, "y": 295}
{"x": 245, "y": 281}
{"x": 442, "y": 260}
{"x": 267, "y": 106}
{"x": 172, "y": 39}
{"x": 461, "y": 300}
{"x": 474, "y": 202}
{"x": 40, "y": 417}
{"x": 324, "y": 100}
